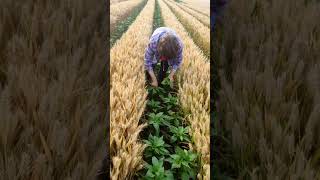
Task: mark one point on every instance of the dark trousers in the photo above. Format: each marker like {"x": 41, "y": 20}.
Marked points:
{"x": 161, "y": 74}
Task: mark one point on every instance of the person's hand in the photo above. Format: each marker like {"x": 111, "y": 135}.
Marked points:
{"x": 154, "y": 83}
{"x": 171, "y": 80}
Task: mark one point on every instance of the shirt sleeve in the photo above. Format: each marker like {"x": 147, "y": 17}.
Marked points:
{"x": 148, "y": 57}
{"x": 178, "y": 60}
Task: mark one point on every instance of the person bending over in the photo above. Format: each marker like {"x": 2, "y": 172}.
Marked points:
{"x": 164, "y": 46}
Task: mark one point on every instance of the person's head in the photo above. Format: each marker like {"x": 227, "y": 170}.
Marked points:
{"x": 168, "y": 46}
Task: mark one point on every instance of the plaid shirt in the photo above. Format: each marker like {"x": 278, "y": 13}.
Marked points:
{"x": 151, "y": 56}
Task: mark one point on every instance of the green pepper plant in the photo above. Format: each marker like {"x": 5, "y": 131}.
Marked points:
{"x": 157, "y": 120}
{"x": 154, "y": 105}
{"x": 179, "y": 134}
{"x": 184, "y": 162}
{"x": 156, "y": 171}
{"x": 156, "y": 146}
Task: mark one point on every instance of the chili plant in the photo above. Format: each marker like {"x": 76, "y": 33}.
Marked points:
{"x": 156, "y": 146}
{"x": 156, "y": 171}
{"x": 180, "y": 134}
{"x": 185, "y": 162}
{"x": 166, "y": 84}
{"x": 154, "y": 105}
{"x": 170, "y": 101}
{"x": 157, "y": 120}
{"x": 155, "y": 91}
{"x": 176, "y": 118}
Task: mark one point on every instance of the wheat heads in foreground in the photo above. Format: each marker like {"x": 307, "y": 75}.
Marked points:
{"x": 269, "y": 98}
{"x": 194, "y": 90}
{"x": 128, "y": 96}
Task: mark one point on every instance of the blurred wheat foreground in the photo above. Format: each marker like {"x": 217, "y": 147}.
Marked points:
{"x": 268, "y": 118}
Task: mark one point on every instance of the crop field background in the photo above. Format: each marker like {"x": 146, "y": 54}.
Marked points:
{"x": 200, "y": 6}
{"x": 121, "y": 10}
{"x": 116, "y": 1}
{"x": 162, "y": 132}
{"x": 267, "y": 76}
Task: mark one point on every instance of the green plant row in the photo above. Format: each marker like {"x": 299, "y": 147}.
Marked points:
{"x": 123, "y": 26}
{"x": 158, "y": 21}
{"x": 167, "y": 154}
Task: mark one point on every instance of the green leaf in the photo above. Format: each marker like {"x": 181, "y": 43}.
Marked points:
{"x": 156, "y": 127}
{"x": 184, "y": 176}
{"x": 149, "y": 174}
{"x": 154, "y": 160}
{"x": 169, "y": 175}
{"x": 192, "y": 173}
{"x": 174, "y": 165}
{"x": 185, "y": 164}
{"x": 193, "y": 156}
{"x": 173, "y": 139}
{"x": 174, "y": 156}
{"x": 181, "y": 138}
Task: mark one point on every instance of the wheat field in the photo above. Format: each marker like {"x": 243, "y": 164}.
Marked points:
{"x": 205, "y": 19}
{"x": 129, "y": 94}
{"x": 112, "y": 2}
{"x": 199, "y": 32}
{"x": 200, "y": 6}
{"x": 118, "y": 11}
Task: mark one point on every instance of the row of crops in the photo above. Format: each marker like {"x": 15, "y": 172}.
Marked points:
{"x": 163, "y": 132}
{"x": 167, "y": 137}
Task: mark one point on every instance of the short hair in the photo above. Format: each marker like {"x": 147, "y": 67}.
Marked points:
{"x": 168, "y": 46}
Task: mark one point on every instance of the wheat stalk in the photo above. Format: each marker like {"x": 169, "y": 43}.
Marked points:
{"x": 128, "y": 95}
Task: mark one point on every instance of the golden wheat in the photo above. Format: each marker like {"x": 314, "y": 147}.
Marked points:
{"x": 194, "y": 90}
{"x": 199, "y": 32}
{"x": 121, "y": 9}
{"x": 198, "y": 6}
{"x": 128, "y": 96}
{"x": 200, "y": 17}
{"x": 112, "y": 2}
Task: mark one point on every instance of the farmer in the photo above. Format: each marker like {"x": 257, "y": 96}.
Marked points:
{"x": 164, "y": 46}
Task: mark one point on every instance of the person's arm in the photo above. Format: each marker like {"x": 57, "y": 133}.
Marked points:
{"x": 149, "y": 54}
{"x": 152, "y": 75}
